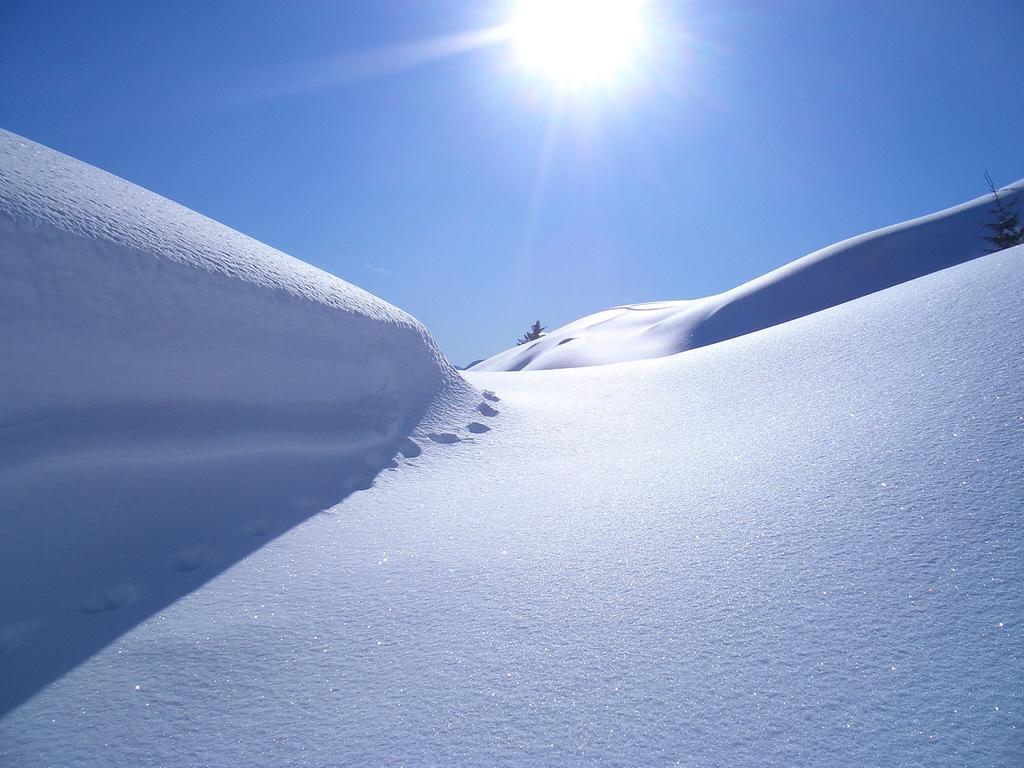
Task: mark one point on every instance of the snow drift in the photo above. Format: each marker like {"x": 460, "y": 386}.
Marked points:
{"x": 168, "y": 382}
{"x": 113, "y": 297}
{"x": 841, "y": 272}
{"x": 799, "y": 547}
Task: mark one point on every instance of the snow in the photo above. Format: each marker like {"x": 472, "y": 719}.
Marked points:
{"x": 841, "y": 272}
{"x": 171, "y": 389}
{"x": 800, "y": 546}
{"x": 112, "y": 294}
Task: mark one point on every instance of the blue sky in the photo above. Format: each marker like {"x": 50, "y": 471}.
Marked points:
{"x": 471, "y": 195}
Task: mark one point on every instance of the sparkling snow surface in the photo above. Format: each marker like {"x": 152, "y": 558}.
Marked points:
{"x": 172, "y": 393}
{"x": 841, "y": 272}
{"x": 799, "y": 547}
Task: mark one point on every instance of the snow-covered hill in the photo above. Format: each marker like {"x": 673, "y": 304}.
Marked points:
{"x": 799, "y": 546}
{"x": 166, "y": 383}
{"x": 825, "y": 278}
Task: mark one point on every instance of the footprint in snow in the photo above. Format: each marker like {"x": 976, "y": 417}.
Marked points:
{"x": 477, "y": 428}
{"x": 446, "y": 438}
{"x": 361, "y": 482}
{"x": 110, "y": 599}
{"x": 190, "y": 559}
{"x": 410, "y": 449}
{"x": 488, "y": 395}
{"x": 487, "y": 410}
{"x": 259, "y": 528}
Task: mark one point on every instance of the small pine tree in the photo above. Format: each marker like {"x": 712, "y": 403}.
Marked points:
{"x": 1006, "y": 228}
{"x": 535, "y": 332}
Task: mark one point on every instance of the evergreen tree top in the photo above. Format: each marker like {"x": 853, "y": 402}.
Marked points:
{"x": 1006, "y": 227}
{"x": 535, "y": 332}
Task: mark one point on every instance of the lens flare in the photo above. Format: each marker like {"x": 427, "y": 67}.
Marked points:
{"x": 580, "y": 43}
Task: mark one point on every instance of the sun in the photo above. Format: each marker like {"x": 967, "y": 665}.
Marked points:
{"x": 579, "y": 44}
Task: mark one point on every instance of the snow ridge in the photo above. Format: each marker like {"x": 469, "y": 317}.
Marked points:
{"x": 112, "y": 294}
{"x": 839, "y": 273}
{"x": 174, "y": 395}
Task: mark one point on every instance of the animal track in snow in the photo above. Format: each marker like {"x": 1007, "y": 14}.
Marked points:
{"x": 190, "y": 558}
{"x": 410, "y": 449}
{"x": 446, "y": 438}
{"x": 477, "y": 428}
{"x": 110, "y": 599}
{"x": 361, "y": 482}
{"x": 487, "y": 410}
{"x": 258, "y": 528}
{"x": 488, "y": 395}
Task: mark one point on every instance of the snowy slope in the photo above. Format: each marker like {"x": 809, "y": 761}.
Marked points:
{"x": 825, "y": 278}
{"x": 173, "y": 392}
{"x": 798, "y": 547}
{"x": 176, "y": 303}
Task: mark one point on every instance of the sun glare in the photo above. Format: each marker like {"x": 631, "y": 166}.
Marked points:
{"x": 580, "y": 43}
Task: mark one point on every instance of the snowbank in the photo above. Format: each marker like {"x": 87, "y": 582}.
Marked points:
{"x": 113, "y": 297}
{"x": 173, "y": 393}
{"x": 844, "y": 271}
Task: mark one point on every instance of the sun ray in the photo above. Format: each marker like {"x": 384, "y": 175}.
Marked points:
{"x": 368, "y": 64}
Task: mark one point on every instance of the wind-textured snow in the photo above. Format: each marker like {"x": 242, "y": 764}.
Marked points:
{"x": 801, "y": 546}
{"x": 172, "y": 393}
{"x": 841, "y": 272}
{"x": 112, "y": 294}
